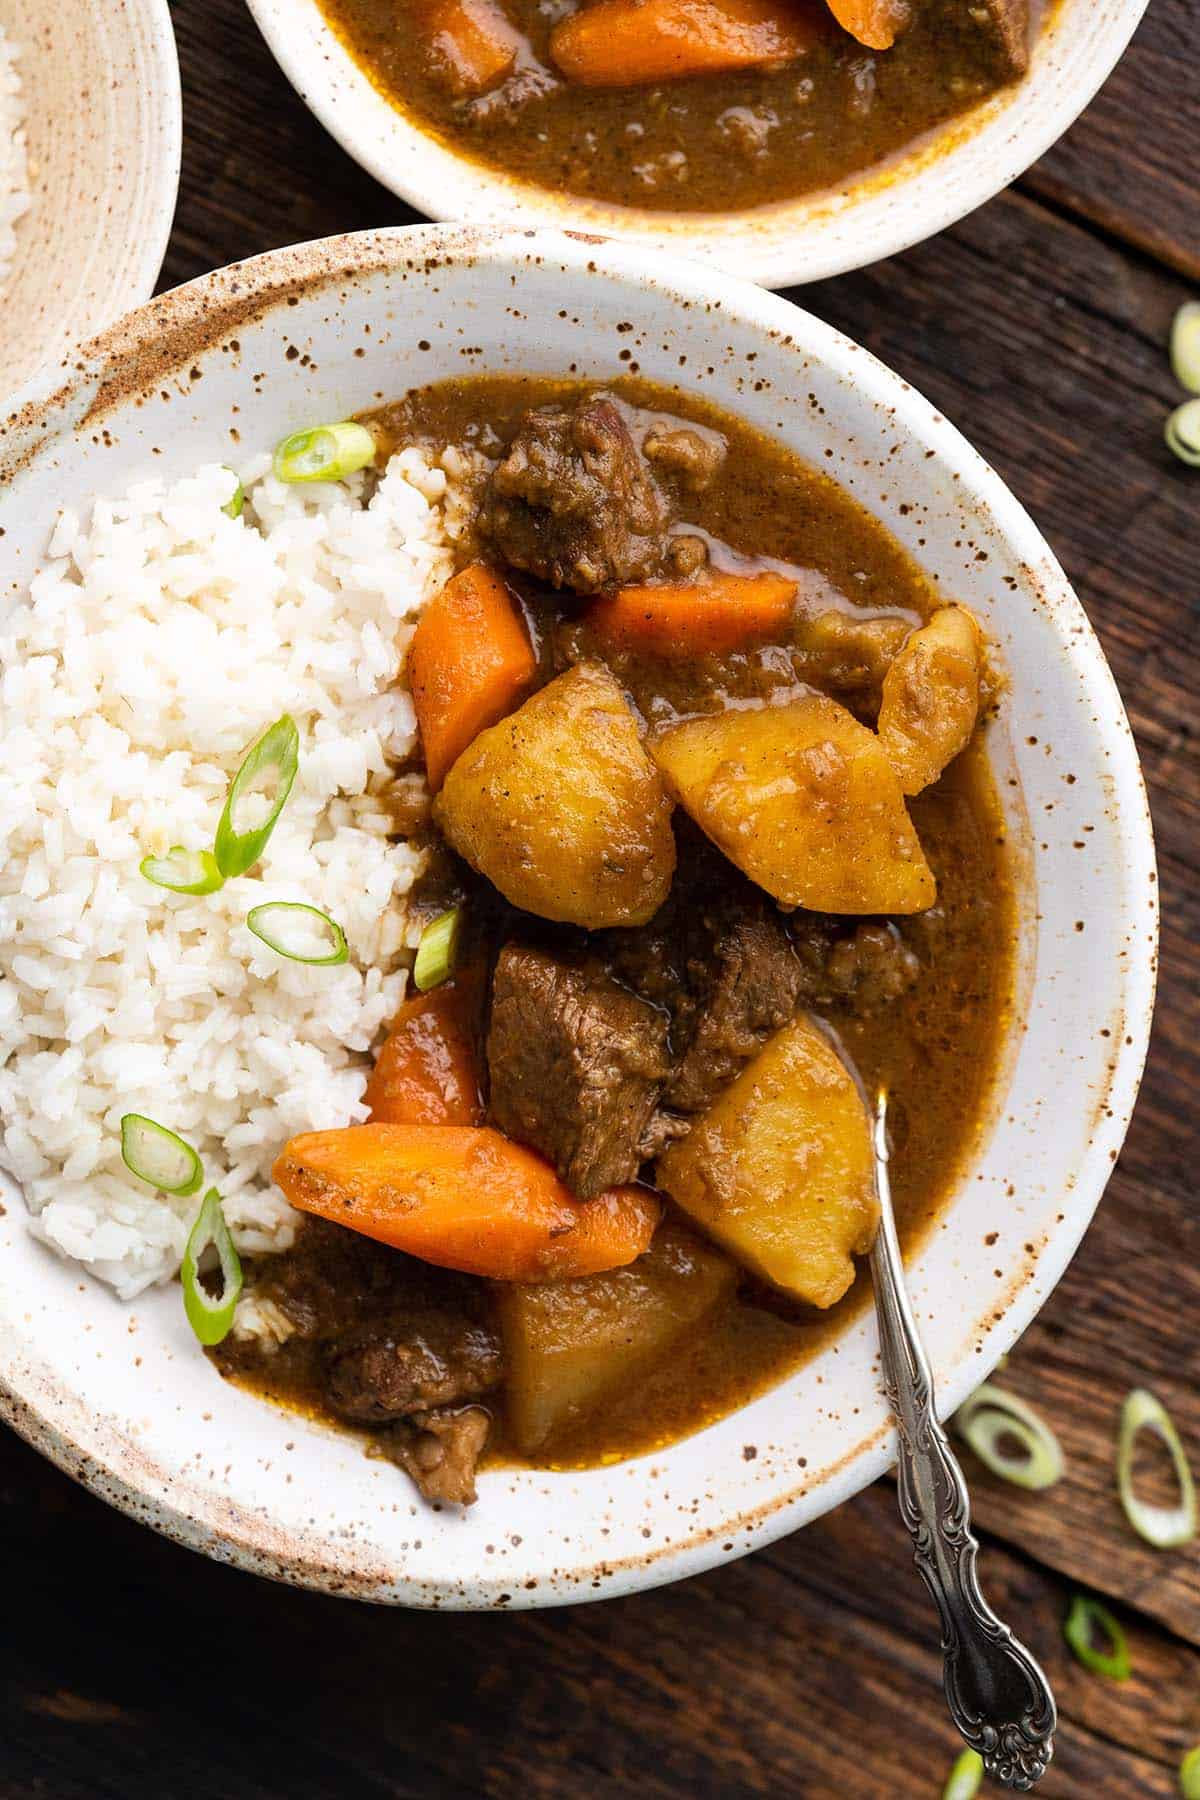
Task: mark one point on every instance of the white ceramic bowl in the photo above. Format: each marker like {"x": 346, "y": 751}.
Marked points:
{"x": 120, "y": 1395}
{"x": 802, "y": 240}
{"x": 102, "y": 124}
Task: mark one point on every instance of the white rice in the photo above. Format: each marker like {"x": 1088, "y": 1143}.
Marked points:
{"x": 14, "y": 170}
{"x": 157, "y": 641}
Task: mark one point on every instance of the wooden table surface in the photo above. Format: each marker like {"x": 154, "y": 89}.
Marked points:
{"x": 129, "y": 1668}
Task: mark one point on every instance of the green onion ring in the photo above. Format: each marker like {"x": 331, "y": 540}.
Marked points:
{"x": 325, "y": 453}
{"x": 1185, "y": 346}
{"x": 210, "y": 1317}
{"x": 1166, "y": 1527}
{"x": 184, "y": 871}
{"x": 992, "y": 1414}
{"x": 1079, "y": 1628}
{"x": 159, "y": 1156}
{"x": 233, "y": 506}
{"x": 1182, "y": 432}
{"x": 436, "y": 950}
{"x": 1189, "y": 1775}
{"x": 278, "y": 749}
{"x": 966, "y": 1777}
{"x": 287, "y": 925}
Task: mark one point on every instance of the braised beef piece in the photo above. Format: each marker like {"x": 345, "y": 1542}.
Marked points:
{"x": 331, "y": 1278}
{"x": 693, "y": 458}
{"x": 440, "y": 1449}
{"x": 863, "y": 966}
{"x": 574, "y": 502}
{"x": 576, "y": 1063}
{"x": 416, "y": 1360}
{"x": 1001, "y": 28}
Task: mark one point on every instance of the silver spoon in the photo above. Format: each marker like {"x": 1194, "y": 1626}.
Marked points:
{"x": 998, "y": 1696}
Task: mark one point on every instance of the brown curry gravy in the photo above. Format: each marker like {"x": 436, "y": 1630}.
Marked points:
{"x": 938, "y": 1048}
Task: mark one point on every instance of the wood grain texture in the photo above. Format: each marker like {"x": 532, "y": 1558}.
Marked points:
{"x": 130, "y": 1669}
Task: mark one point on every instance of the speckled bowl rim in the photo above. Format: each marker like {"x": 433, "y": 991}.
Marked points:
{"x": 892, "y": 208}
{"x": 139, "y": 354}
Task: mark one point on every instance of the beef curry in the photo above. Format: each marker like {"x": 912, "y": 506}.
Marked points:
{"x": 685, "y": 105}
{"x": 710, "y": 826}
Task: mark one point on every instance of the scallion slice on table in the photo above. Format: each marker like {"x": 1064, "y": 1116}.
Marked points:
{"x": 325, "y": 453}
{"x": 1185, "y": 346}
{"x": 233, "y": 506}
{"x": 990, "y": 1417}
{"x": 966, "y": 1777}
{"x": 1182, "y": 433}
{"x": 1088, "y": 1620}
{"x": 1165, "y": 1527}
{"x": 159, "y": 1156}
{"x": 302, "y": 933}
{"x": 267, "y": 773}
{"x": 436, "y": 950}
{"x": 210, "y": 1315}
{"x": 1189, "y": 1775}
{"x": 184, "y": 871}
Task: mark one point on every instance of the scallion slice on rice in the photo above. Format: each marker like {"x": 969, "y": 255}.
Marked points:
{"x": 302, "y": 933}
{"x": 267, "y": 773}
{"x": 210, "y": 1315}
{"x": 159, "y": 1156}
{"x": 325, "y": 453}
{"x": 184, "y": 871}
{"x": 233, "y": 506}
{"x": 436, "y": 950}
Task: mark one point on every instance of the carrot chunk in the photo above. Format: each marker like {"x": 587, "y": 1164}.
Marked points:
{"x": 426, "y": 1072}
{"x": 471, "y": 44}
{"x": 619, "y": 43}
{"x": 468, "y": 664}
{"x": 464, "y": 1198}
{"x": 710, "y": 616}
{"x": 875, "y": 23}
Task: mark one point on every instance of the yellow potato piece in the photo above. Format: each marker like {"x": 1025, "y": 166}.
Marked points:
{"x": 803, "y": 799}
{"x": 570, "y": 1344}
{"x": 780, "y": 1171}
{"x": 561, "y": 808}
{"x": 931, "y": 697}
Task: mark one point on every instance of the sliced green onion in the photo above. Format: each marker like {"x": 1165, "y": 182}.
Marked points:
{"x": 1185, "y": 346}
{"x": 1182, "y": 433}
{"x": 1189, "y": 1775}
{"x": 991, "y": 1415}
{"x": 277, "y": 755}
{"x": 159, "y": 1156}
{"x": 326, "y": 453}
{"x": 233, "y": 506}
{"x": 1165, "y": 1527}
{"x": 436, "y": 950}
{"x": 303, "y": 933}
{"x": 966, "y": 1777}
{"x": 209, "y": 1315}
{"x": 184, "y": 871}
{"x": 1085, "y": 1619}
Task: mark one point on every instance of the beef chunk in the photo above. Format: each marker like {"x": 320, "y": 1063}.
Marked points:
{"x": 332, "y": 1277}
{"x": 1006, "y": 23}
{"x": 440, "y": 1449}
{"x": 693, "y": 458}
{"x": 745, "y": 981}
{"x": 863, "y": 966}
{"x": 576, "y": 1063}
{"x": 574, "y": 502}
{"x": 414, "y": 1361}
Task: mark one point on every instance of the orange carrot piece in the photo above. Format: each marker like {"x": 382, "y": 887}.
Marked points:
{"x": 471, "y": 44}
{"x": 468, "y": 664}
{"x": 426, "y": 1072}
{"x": 713, "y": 615}
{"x": 875, "y": 23}
{"x": 620, "y": 43}
{"x": 464, "y": 1198}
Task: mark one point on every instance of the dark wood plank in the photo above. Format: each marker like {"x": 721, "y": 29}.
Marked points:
{"x": 1129, "y": 164}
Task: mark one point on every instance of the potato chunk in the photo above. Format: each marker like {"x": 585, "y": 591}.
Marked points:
{"x": 803, "y": 799}
{"x": 931, "y": 697}
{"x": 561, "y": 808}
{"x": 569, "y": 1344}
{"x": 780, "y": 1169}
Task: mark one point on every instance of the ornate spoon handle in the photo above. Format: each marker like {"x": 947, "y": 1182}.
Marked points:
{"x": 998, "y": 1696}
